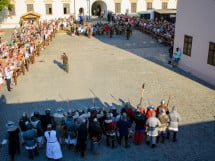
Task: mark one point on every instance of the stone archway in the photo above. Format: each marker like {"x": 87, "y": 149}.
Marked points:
{"x": 99, "y": 8}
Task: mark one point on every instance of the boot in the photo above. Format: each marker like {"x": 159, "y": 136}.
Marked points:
{"x": 118, "y": 140}
{"x": 163, "y": 139}
{"x": 168, "y": 134}
{"x": 126, "y": 144}
{"x": 153, "y": 145}
{"x": 30, "y": 154}
{"x": 157, "y": 139}
{"x": 107, "y": 142}
{"x": 113, "y": 144}
{"x": 174, "y": 136}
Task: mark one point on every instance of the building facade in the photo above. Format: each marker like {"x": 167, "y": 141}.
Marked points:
{"x": 195, "y": 36}
{"x": 52, "y": 9}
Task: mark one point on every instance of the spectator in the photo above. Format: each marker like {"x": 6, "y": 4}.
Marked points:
{"x": 177, "y": 57}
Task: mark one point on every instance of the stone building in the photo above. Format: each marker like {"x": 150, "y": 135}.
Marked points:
{"x": 51, "y": 9}
{"x": 195, "y": 36}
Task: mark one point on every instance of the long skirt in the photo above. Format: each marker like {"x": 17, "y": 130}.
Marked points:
{"x": 138, "y": 137}
{"x": 53, "y": 150}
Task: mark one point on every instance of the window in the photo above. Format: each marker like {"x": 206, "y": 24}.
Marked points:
{"x": 66, "y": 8}
{"x": 11, "y": 10}
{"x": 164, "y": 5}
{"x": 133, "y": 7}
{"x": 211, "y": 53}
{"x": 187, "y": 45}
{"x": 30, "y": 7}
{"x": 117, "y": 7}
{"x": 149, "y": 5}
{"x": 48, "y": 9}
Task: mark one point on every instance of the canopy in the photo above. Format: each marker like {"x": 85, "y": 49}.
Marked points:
{"x": 31, "y": 16}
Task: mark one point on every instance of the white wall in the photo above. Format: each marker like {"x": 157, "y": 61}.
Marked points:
{"x": 197, "y": 20}
{"x": 57, "y": 7}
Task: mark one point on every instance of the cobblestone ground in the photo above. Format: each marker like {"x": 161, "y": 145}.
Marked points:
{"x": 113, "y": 70}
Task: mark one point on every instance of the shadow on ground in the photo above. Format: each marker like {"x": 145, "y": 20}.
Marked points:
{"x": 59, "y": 64}
{"x": 195, "y": 141}
{"x": 139, "y": 42}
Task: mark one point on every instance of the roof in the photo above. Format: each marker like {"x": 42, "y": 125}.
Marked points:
{"x": 145, "y": 12}
{"x": 30, "y": 14}
{"x": 166, "y": 11}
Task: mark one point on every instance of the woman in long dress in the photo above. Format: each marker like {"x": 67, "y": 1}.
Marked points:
{"x": 53, "y": 149}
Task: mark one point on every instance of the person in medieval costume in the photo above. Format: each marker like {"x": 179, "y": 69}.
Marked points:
{"x": 110, "y": 130}
{"x": 95, "y": 135}
{"x": 53, "y": 149}
{"x": 174, "y": 119}
{"x": 36, "y": 123}
{"x": 140, "y": 121}
{"x": 124, "y": 124}
{"x": 152, "y": 124}
{"x": 13, "y": 139}
{"x": 163, "y": 106}
{"x": 47, "y": 119}
{"x": 65, "y": 59}
{"x": 82, "y": 137}
{"x": 149, "y": 111}
{"x": 164, "y": 119}
{"x": 30, "y": 138}
{"x": 59, "y": 118}
{"x": 71, "y": 129}
{"x": 23, "y": 121}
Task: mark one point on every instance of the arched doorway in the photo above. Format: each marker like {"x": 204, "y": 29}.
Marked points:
{"x": 81, "y": 11}
{"x": 99, "y": 8}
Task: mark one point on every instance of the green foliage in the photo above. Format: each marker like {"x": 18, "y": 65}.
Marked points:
{"x": 4, "y": 3}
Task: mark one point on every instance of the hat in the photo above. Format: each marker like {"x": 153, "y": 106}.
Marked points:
{"x": 162, "y": 101}
{"x": 49, "y": 126}
{"x": 124, "y": 116}
{"x": 48, "y": 111}
{"x": 60, "y": 110}
{"x": 95, "y": 120}
{"x": 11, "y": 126}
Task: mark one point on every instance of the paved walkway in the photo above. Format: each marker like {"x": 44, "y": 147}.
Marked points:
{"x": 112, "y": 70}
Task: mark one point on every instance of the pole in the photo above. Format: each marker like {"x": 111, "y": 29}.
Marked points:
{"x": 89, "y": 10}
{"x": 74, "y": 10}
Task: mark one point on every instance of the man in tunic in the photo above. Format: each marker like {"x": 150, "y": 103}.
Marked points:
{"x": 30, "y": 137}
{"x": 152, "y": 132}
{"x": 82, "y": 138}
{"x": 174, "y": 118}
{"x": 65, "y": 59}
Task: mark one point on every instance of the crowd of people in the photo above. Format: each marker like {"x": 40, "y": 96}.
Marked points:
{"x": 76, "y": 128}
{"x": 24, "y": 44}
{"x": 162, "y": 30}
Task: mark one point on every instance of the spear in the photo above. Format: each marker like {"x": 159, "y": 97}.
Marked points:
{"x": 141, "y": 98}
{"x": 168, "y": 100}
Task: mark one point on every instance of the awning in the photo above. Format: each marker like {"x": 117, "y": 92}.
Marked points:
{"x": 166, "y": 11}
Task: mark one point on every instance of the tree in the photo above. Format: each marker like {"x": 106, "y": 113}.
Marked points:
{"x": 4, "y": 4}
